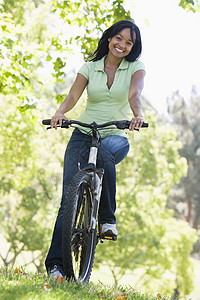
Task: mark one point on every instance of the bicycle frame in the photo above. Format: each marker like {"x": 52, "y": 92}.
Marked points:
{"x": 96, "y": 174}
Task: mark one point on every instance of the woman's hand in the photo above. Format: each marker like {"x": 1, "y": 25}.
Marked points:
{"x": 58, "y": 117}
{"x": 136, "y": 123}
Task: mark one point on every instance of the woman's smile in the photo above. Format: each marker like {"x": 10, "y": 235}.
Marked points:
{"x": 119, "y": 50}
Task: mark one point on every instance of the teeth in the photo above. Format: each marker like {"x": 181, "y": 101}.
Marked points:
{"x": 119, "y": 50}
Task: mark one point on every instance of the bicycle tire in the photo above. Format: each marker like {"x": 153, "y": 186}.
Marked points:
{"x": 78, "y": 242}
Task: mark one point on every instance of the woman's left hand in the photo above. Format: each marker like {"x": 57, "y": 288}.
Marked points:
{"x": 136, "y": 123}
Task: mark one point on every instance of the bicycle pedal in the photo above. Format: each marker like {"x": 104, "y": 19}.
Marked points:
{"x": 108, "y": 237}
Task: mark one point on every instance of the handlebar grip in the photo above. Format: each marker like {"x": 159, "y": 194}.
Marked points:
{"x": 144, "y": 124}
{"x": 65, "y": 123}
{"x": 46, "y": 122}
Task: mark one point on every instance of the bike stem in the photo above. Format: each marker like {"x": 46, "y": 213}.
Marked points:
{"x": 94, "y": 147}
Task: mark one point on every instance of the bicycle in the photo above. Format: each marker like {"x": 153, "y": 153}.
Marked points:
{"x": 81, "y": 228}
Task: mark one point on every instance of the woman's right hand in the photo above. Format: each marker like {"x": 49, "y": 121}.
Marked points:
{"x": 58, "y": 117}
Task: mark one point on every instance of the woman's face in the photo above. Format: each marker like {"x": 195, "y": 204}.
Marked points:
{"x": 121, "y": 44}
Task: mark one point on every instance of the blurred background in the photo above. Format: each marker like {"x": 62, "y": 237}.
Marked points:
{"x": 42, "y": 46}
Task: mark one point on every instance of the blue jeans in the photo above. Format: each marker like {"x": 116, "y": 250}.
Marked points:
{"x": 113, "y": 150}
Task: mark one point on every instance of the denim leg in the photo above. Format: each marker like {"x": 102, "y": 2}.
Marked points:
{"x": 76, "y": 151}
{"x": 113, "y": 150}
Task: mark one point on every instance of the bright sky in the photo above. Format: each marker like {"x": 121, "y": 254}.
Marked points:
{"x": 171, "y": 49}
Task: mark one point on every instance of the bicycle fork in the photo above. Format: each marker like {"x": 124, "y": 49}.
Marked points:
{"x": 96, "y": 199}
{"x": 97, "y": 177}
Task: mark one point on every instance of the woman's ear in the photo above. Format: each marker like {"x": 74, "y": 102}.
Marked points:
{"x": 109, "y": 39}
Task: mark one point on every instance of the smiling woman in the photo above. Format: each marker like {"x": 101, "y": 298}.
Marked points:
{"x": 114, "y": 78}
{"x": 121, "y": 30}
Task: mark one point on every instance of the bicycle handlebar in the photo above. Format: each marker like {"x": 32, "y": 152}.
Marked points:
{"x": 119, "y": 124}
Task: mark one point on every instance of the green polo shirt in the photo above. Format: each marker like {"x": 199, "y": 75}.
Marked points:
{"x": 104, "y": 104}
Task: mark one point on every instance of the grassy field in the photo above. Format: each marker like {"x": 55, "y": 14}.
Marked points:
{"x": 16, "y": 285}
{"x": 27, "y": 286}
{"x": 130, "y": 279}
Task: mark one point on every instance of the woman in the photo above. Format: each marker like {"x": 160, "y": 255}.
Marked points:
{"x": 114, "y": 79}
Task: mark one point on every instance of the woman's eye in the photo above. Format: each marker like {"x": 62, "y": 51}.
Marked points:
{"x": 118, "y": 38}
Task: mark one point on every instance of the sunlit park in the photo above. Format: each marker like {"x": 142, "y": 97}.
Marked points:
{"x": 43, "y": 44}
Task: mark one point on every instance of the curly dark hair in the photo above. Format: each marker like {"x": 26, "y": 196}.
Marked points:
{"x": 103, "y": 49}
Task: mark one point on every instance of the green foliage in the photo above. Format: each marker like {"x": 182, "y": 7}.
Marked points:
{"x": 88, "y": 19}
{"x": 57, "y": 66}
{"x": 19, "y": 57}
{"x": 14, "y": 8}
{"x": 149, "y": 237}
{"x": 12, "y": 61}
{"x": 24, "y": 189}
{"x": 26, "y": 186}
{"x": 190, "y": 5}
{"x": 25, "y": 45}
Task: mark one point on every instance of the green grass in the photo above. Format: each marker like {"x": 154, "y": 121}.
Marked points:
{"x": 33, "y": 286}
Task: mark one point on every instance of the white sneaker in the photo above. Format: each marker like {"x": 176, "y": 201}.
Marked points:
{"x": 109, "y": 229}
{"x": 54, "y": 273}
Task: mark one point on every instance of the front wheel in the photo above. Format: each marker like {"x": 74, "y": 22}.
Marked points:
{"x": 78, "y": 240}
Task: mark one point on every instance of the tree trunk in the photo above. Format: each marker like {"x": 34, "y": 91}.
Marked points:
{"x": 195, "y": 222}
{"x": 189, "y": 207}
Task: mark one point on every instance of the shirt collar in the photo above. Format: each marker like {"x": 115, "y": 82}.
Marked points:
{"x": 100, "y": 64}
{"x": 123, "y": 65}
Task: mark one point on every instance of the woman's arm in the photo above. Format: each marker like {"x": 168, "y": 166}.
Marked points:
{"x": 136, "y": 86}
{"x": 74, "y": 94}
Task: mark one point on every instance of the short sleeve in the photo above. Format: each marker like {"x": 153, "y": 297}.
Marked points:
{"x": 84, "y": 70}
{"x": 137, "y": 65}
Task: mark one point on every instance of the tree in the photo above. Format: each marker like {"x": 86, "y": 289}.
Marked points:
{"x": 21, "y": 53}
{"x": 184, "y": 197}
{"x": 30, "y": 180}
{"x": 190, "y": 5}
{"x": 89, "y": 19}
{"x": 25, "y": 183}
{"x": 149, "y": 237}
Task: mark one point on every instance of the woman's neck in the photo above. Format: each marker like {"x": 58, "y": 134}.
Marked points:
{"x": 112, "y": 62}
